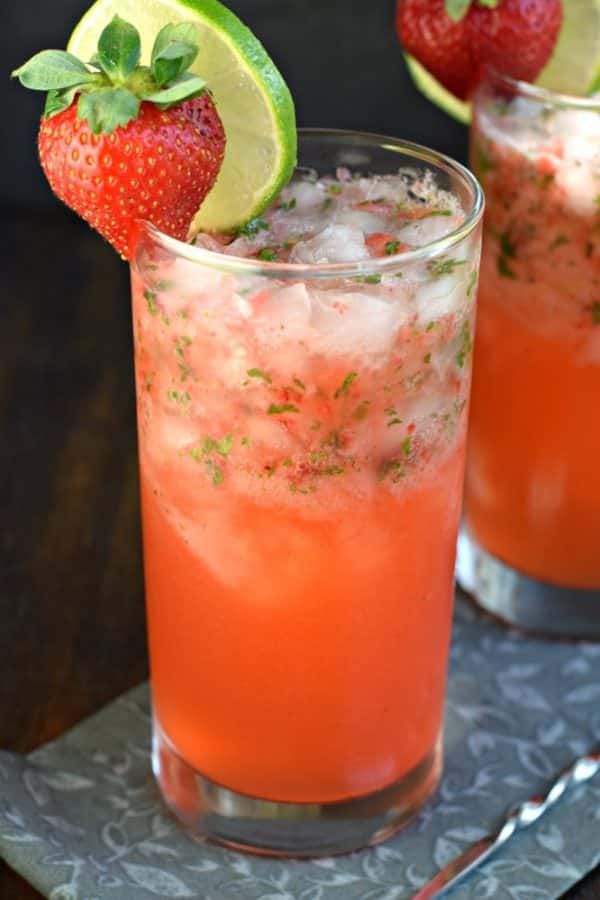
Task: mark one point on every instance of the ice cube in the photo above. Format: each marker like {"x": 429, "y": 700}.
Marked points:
{"x": 366, "y": 222}
{"x": 334, "y": 244}
{"x": 437, "y": 297}
{"x": 348, "y": 323}
{"x": 283, "y": 313}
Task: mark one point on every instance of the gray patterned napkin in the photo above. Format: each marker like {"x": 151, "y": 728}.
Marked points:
{"x": 81, "y": 820}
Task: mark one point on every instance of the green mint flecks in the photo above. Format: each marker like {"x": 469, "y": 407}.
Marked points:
{"x": 267, "y": 254}
{"x": 185, "y": 371}
{"x": 368, "y": 279}
{"x": 181, "y": 398}
{"x": 112, "y": 87}
{"x": 287, "y": 206}
{"x": 258, "y": 373}
{"x": 484, "y": 161}
{"x": 299, "y": 384}
{"x": 335, "y": 189}
{"x": 465, "y": 345}
{"x": 392, "y": 469}
{"x": 407, "y": 445}
{"x": 205, "y": 453}
{"x": 430, "y": 326}
{"x": 507, "y": 246}
{"x": 471, "y": 283}
{"x": 151, "y": 301}
{"x": 346, "y": 384}
{"x": 327, "y": 203}
{"x": 504, "y": 269}
{"x": 276, "y": 409}
{"x": 458, "y": 9}
{"x": 438, "y": 268}
{"x": 427, "y": 358}
{"x": 596, "y": 313}
{"x": 391, "y": 247}
{"x": 252, "y": 228}
{"x": 559, "y": 241}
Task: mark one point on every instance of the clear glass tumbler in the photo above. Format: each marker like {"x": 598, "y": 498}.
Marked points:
{"x": 302, "y": 439}
{"x": 530, "y": 551}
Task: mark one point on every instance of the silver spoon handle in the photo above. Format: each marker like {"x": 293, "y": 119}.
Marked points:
{"x": 518, "y": 818}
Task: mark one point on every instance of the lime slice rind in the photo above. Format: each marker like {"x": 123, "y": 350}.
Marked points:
{"x": 436, "y": 92}
{"x": 252, "y": 99}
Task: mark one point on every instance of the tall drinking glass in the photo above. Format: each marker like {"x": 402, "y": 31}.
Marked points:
{"x": 302, "y": 438}
{"x": 531, "y": 549}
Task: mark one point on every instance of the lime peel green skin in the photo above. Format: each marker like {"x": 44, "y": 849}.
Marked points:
{"x": 275, "y": 89}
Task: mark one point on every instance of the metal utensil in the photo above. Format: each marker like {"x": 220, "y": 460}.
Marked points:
{"x": 518, "y": 818}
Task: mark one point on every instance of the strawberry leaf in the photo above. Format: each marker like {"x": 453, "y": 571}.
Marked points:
{"x": 108, "y": 108}
{"x": 58, "y": 101}
{"x": 186, "y": 87}
{"x": 490, "y": 4}
{"x": 119, "y": 49}
{"x": 457, "y": 9}
{"x": 53, "y": 70}
{"x": 175, "y": 49}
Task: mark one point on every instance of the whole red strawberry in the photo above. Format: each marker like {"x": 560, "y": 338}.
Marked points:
{"x": 123, "y": 142}
{"x": 455, "y": 40}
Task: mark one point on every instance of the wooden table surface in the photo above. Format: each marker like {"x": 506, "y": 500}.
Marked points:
{"x": 71, "y": 604}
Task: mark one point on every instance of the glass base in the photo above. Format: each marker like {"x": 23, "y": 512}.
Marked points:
{"x": 548, "y": 610}
{"x": 267, "y": 828}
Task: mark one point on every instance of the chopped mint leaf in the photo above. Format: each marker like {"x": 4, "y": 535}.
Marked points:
{"x": 368, "y": 279}
{"x": 344, "y": 387}
{"x": 507, "y": 247}
{"x": 472, "y": 282}
{"x": 407, "y": 445}
{"x": 245, "y": 441}
{"x": 327, "y": 203}
{"x": 391, "y": 247}
{"x": 444, "y": 267}
{"x": 183, "y": 314}
{"x": 483, "y": 161}
{"x": 333, "y": 470}
{"x": 268, "y": 254}
{"x": 286, "y": 207}
{"x": 335, "y": 189}
{"x": 596, "y": 313}
{"x": 252, "y": 228}
{"x": 181, "y": 398}
{"x": 465, "y": 345}
{"x": 277, "y": 409}
{"x": 394, "y": 421}
{"x": 299, "y": 384}
{"x": 437, "y": 212}
{"x": 333, "y": 440}
{"x": 185, "y": 371}
{"x": 558, "y": 241}
{"x": 430, "y": 326}
{"x": 504, "y": 269}
{"x": 393, "y": 468}
{"x": 258, "y": 373}
{"x": 427, "y": 358}
{"x": 546, "y": 180}
{"x": 151, "y": 301}
{"x": 223, "y": 447}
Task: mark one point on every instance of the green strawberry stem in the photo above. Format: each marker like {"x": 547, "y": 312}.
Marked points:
{"x": 113, "y": 84}
{"x": 457, "y": 9}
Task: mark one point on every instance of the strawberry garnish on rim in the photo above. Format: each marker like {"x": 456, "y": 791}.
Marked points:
{"x": 456, "y": 40}
{"x": 120, "y": 142}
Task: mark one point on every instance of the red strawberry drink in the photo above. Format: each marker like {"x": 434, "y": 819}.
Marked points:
{"x": 533, "y": 492}
{"x": 303, "y": 394}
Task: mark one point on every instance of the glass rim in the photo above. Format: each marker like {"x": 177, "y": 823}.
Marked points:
{"x": 545, "y": 95}
{"x": 362, "y": 268}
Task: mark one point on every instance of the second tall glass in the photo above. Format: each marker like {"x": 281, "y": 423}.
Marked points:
{"x": 531, "y": 549}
